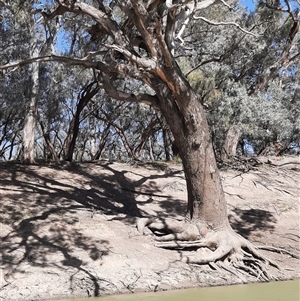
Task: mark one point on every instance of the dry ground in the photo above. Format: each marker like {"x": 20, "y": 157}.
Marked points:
{"x": 68, "y": 230}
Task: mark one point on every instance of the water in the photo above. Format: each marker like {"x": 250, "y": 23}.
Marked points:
{"x": 272, "y": 291}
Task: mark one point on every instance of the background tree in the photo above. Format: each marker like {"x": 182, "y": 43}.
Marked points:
{"x": 229, "y": 83}
{"x": 13, "y": 44}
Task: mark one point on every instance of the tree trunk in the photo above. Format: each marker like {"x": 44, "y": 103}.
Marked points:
{"x": 175, "y": 149}
{"x": 206, "y": 224}
{"x": 187, "y": 121}
{"x": 151, "y": 149}
{"x": 86, "y": 95}
{"x": 230, "y": 144}
{"x": 72, "y": 136}
{"x": 31, "y": 115}
{"x": 126, "y": 143}
{"x": 92, "y": 137}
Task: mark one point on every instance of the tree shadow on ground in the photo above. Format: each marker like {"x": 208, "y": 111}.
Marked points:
{"x": 42, "y": 239}
{"x": 39, "y": 208}
{"x": 172, "y": 208}
{"x": 249, "y": 221}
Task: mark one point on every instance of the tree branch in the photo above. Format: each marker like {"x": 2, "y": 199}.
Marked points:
{"x": 101, "y": 17}
{"x": 225, "y": 23}
{"x": 56, "y": 58}
{"x": 165, "y": 51}
{"x": 222, "y": 57}
{"x": 144, "y": 62}
{"x": 203, "y": 63}
{"x": 144, "y": 25}
{"x": 200, "y": 5}
{"x": 129, "y": 97}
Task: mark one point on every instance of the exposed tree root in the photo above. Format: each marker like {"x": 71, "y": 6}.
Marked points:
{"x": 224, "y": 248}
{"x": 278, "y": 250}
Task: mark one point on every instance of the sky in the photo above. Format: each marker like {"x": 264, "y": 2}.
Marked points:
{"x": 249, "y": 4}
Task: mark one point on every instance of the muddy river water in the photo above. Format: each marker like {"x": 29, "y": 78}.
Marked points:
{"x": 272, "y": 291}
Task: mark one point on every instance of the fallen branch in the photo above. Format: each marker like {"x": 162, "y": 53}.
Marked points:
{"x": 279, "y": 161}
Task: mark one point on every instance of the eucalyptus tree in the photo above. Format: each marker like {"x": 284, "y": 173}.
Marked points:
{"x": 137, "y": 40}
{"x": 268, "y": 74}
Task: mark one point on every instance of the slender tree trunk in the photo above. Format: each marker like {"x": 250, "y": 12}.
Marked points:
{"x": 86, "y": 95}
{"x": 92, "y": 137}
{"x": 127, "y": 145}
{"x": 72, "y": 136}
{"x": 12, "y": 147}
{"x": 166, "y": 143}
{"x": 31, "y": 115}
{"x": 151, "y": 149}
